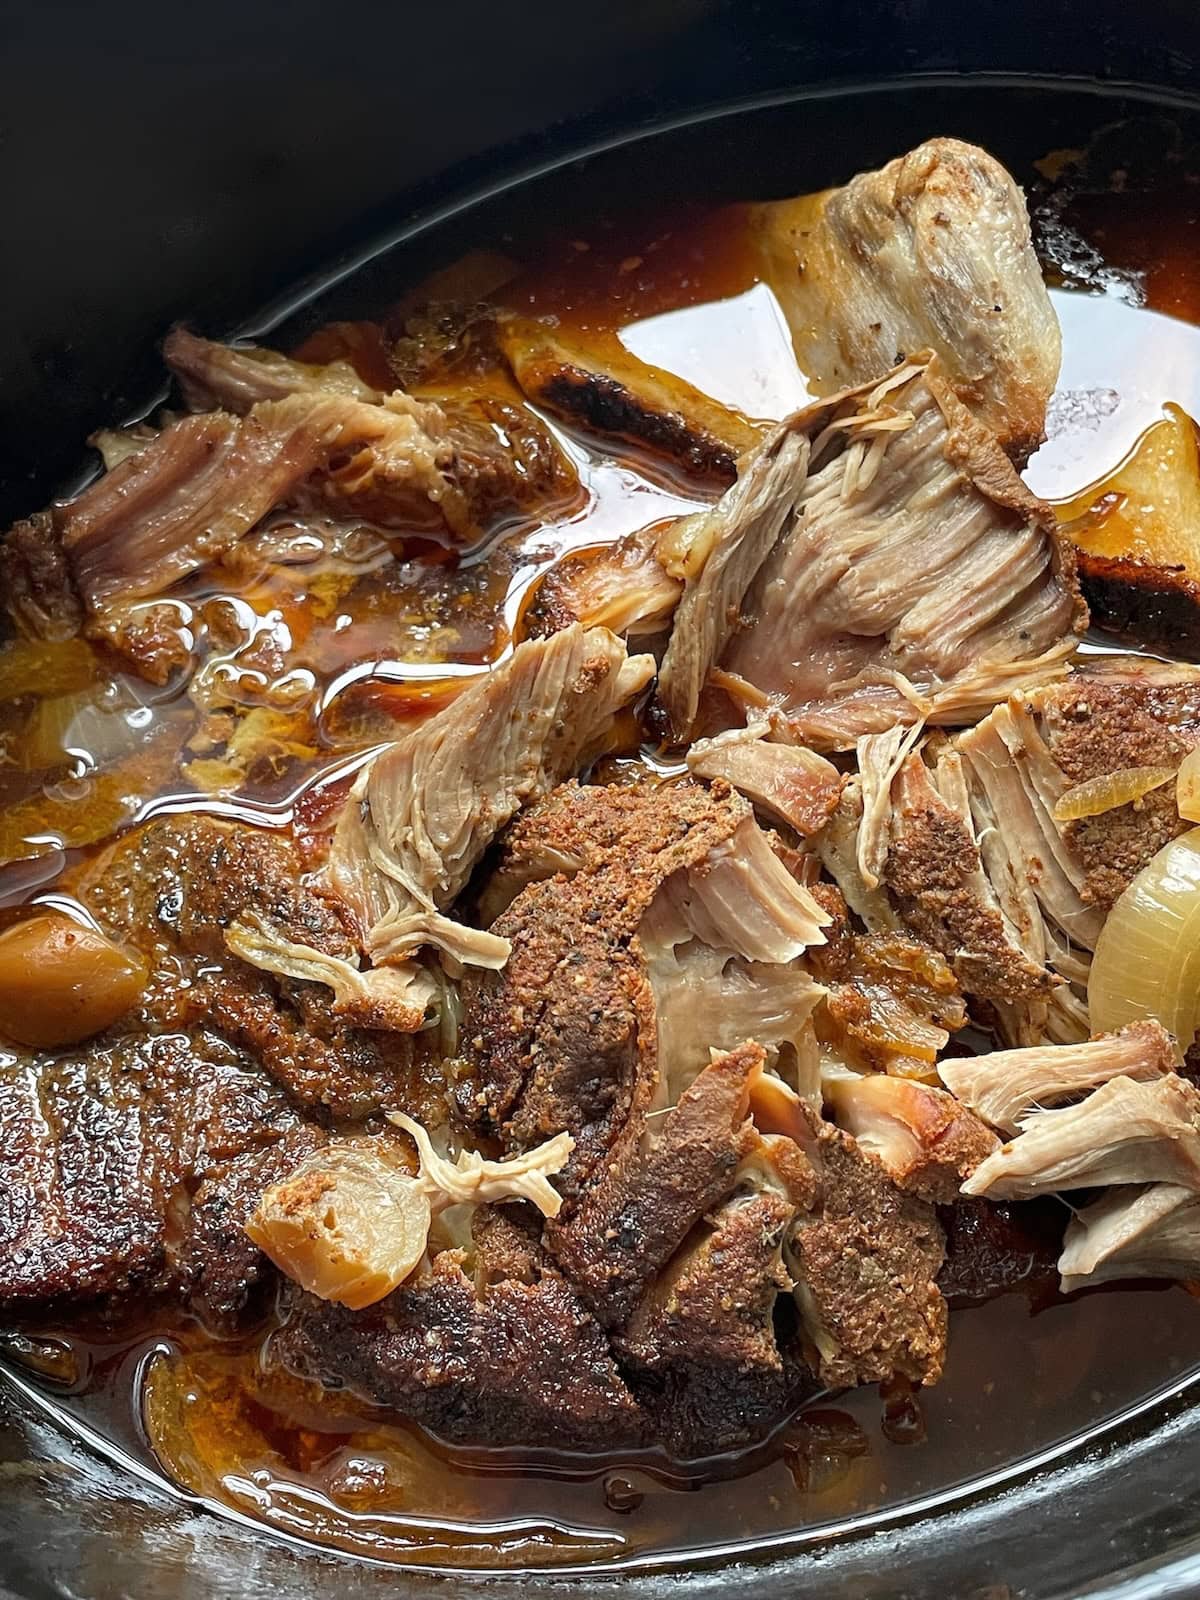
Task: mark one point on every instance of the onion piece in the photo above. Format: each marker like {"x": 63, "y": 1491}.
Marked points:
{"x": 1110, "y": 790}
{"x": 1187, "y": 787}
{"x": 1147, "y": 960}
{"x": 349, "y": 1224}
{"x": 686, "y": 544}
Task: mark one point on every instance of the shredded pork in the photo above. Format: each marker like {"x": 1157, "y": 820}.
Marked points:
{"x": 1150, "y": 1232}
{"x": 1125, "y": 1132}
{"x": 1004, "y": 1086}
{"x": 932, "y": 251}
{"x": 918, "y": 579}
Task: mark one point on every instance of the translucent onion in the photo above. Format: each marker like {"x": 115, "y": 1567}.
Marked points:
{"x": 1187, "y": 787}
{"x": 1110, "y": 790}
{"x": 349, "y": 1224}
{"x": 1147, "y": 961}
{"x": 685, "y": 546}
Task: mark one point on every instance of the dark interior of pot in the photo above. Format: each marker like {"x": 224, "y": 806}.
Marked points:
{"x": 609, "y": 157}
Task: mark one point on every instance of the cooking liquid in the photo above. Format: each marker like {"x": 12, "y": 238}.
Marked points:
{"x": 336, "y": 648}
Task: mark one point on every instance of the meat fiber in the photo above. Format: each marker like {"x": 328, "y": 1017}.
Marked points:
{"x": 1003, "y": 1086}
{"x": 788, "y": 783}
{"x": 1130, "y": 1232}
{"x": 725, "y": 548}
{"x": 1124, "y": 1132}
{"x": 918, "y": 579}
{"x": 423, "y": 812}
{"x": 932, "y": 251}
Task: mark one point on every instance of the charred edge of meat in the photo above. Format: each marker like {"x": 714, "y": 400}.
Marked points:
{"x": 605, "y": 405}
{"x": 643, "y": 1205}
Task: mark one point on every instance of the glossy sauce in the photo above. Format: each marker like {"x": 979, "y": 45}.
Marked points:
{"x": 333, "y": 645}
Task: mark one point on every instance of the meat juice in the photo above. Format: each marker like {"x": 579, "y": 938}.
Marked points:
{"x": 340, "y": 647}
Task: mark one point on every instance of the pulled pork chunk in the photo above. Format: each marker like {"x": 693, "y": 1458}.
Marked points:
{"x": 236, "y": 377}
{"x": 1124, "y": 1132}
{"x": 1151, "y": 1232}
{"x": 787, "y": 782}
{"x": 130, "y": 1169}
{"x": 702, "y": 1347}
{"x": 294, "y": 433}
{"x": 865, "y": 1258}
{"x": 978, "y": 845}
{"x": 1055, "y": 873}
{"x": 567, "y": 1035}
{"x": 597, "y": 383}
{"x": 422, "y": 813}
{"x": 202, "y": 484}
{"x": 916, "y": 843}
{"x": 926, "y": 1140}
{"x": 932, "y": 251}
{"x": 721, "y": 552}
{"x": 522, "y": 1363}
{"x": 1003, "y": 1086}
{"x": 193, "y": 493}
{"x": 493, "y": 455}
{"x": 638, "y": 1212}
{"x": 918, "y": 580}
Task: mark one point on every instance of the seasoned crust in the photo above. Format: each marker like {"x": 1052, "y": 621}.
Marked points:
{"x": 933, "y": 868}
{"x": 610, "y": 391}
{"x": 1094, "y": 728}
{"x": 1158, "y": 607}
{"x": 172, "y": 889}
{"x": 523, "y": 1364}
{"x": 132, "y": 1165}
{"x": 866, "y": 1260}
{"x": 701, "y": 1350}
{"x": 647, "y": 1199}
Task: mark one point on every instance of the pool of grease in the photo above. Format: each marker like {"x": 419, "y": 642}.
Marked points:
{"x": 648, "y": 244}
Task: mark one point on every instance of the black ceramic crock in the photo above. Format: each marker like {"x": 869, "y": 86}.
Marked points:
{"x": 160, "y": 162}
